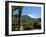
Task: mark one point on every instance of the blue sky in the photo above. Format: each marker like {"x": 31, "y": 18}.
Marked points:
{"x": 34, "y": 12}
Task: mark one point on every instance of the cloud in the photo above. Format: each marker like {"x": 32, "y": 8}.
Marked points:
{"x": 30, "y": 15}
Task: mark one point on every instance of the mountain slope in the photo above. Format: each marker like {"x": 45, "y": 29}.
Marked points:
{"x": 26, "y": 17}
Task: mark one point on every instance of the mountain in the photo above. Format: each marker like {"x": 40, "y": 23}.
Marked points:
{"x": 26, "y": 17}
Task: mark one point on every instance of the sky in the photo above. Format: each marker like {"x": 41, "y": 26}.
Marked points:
{"x": 34, "y": 12}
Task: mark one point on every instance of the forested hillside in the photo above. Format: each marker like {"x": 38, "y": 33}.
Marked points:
{"x": 26, "y": 22}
